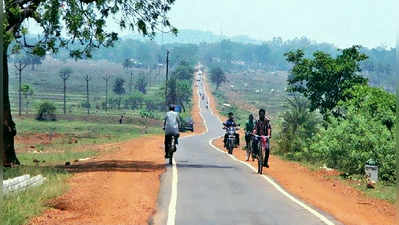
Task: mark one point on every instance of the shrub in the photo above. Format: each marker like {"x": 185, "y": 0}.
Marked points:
{"x": 46, "y": 111}
{"x": 348, "y": 144}
{"x": 298, "y": 127}
{"x": 134, "y": 101}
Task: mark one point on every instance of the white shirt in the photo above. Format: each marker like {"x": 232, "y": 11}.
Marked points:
{"x": 172, "y": 123}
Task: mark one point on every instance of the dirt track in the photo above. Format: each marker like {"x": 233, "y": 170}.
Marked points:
{"x": 117, "y": 188}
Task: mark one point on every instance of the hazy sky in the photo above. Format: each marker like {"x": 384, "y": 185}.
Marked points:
{"x": 342, "y": 22}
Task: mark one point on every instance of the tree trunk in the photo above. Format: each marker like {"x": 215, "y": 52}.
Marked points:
{"x": 19, "y": 90}
{"x": 9, "y": 128}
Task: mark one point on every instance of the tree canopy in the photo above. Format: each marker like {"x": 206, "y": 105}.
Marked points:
{"x": 217, "y": 76}
{"x": 323, "y": 79}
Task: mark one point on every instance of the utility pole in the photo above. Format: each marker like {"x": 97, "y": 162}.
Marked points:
{"x": 87, "y": 78}
{"x": 65, "y": 74}
{"x": 20, "y": 65}
{"x": 131, "y": 83}
{"x": 106, "y": 78}
{"x": 167, "y": 77}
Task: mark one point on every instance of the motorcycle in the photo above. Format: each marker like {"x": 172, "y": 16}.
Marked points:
{"x": 231, "y": 138}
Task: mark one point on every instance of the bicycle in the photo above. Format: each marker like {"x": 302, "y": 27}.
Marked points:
{"x": 263, "y": 144}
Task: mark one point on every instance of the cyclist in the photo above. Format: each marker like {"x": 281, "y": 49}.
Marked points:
{"x": 231, "y": 123}
{"x": 249, "y": 127}
{"x": 263, "y": 128}
{"x": 171, "y": 126}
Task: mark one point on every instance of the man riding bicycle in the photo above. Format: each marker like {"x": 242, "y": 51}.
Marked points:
{"x": 249, "y": 127}
{"x": 171, "y": 126}
{"x": 231, "y": 123}
{"x": 263, "y": 128}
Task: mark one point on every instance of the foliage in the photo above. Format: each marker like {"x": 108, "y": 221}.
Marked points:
{"x": 65, "y": 73}
{"x": 141, "y": 84}
{"x": 184, "y": 71}
{"x": 134, "y": 100}
{"x": 348, "y": 144}
{"x": 83, "y": 21}
{"x": 298, "y": 126}
{"x": 324, "y": 79}
{"x": 118, "y": 87}
{"x": 217, "y": 76}
{"x": 147, "y": 114}
{"x": 46, "y": 111}
{"x": 378, "y": 104}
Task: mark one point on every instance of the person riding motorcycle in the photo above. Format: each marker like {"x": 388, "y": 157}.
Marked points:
{"x": 231, "y": 123}
{"x": 249, "y": 127}
{"x": 263, "y": 128}
{"x": 171, "y": 126}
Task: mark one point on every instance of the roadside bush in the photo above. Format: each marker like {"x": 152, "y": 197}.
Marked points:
{"x": 298, "y": 126}
{"x": 134, "y": 101}
{"x": 46, "y": 111}
{"x": 348, "y": 144}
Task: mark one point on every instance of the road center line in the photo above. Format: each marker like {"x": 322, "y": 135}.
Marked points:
{"x": 173, "y": 196}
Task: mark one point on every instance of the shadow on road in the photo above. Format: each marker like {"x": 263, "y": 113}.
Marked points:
{"x": 113, "y": 165}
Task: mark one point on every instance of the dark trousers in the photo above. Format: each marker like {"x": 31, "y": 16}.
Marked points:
{"x": 168, "y": 139}
{"x": 237, "y": 138}
{"x": 247, "y": 139}
{"x": 267, "y": 152}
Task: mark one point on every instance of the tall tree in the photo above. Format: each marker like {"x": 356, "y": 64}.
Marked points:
{"x": 217, "y": 76}
{"x": 141, "y": 84}
{"x": 65, "y": 73}
{"x": 84, "y": 22}
{"x": 27, "y": 92}
{"x": 324, "y": 79}
{"x": 119, "y": 89}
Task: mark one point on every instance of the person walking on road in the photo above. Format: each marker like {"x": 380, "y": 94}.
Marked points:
{"x": 171, "y": 126}
{"x": 249, "y": 127}
{"x": 263, "y": 128}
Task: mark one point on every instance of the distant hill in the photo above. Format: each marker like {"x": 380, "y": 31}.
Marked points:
{"x": 193, "y": 37}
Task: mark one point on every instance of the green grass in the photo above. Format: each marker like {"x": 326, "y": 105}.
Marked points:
{"x": 19, "y": 207}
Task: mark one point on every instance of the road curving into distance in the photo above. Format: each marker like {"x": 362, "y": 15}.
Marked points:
{"x": 206, "y": 186}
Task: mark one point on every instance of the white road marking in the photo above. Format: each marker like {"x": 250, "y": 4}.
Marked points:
{"x": 173, "y": 197}
{"x": 268, "y": 179}
{"x": 278, "y": 187}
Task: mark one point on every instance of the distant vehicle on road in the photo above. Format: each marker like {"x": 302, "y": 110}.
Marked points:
{"x": 187, "y": 124}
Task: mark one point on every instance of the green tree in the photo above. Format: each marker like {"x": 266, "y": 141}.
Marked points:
{"x": 217, "y": 76}
{"x": 119, "y": 89}
{"x": 184, "y": 71}
{"x": 27, "y": 92}
{"x": 83, "y": 20}
{"x": 324, "y": 79}
{"x": 378, "y": 104}
{"x": 298, "y": 126}
{"x": 141, "y": 84}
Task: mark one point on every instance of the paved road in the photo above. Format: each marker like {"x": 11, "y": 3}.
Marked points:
{"x": 212, "y": 188}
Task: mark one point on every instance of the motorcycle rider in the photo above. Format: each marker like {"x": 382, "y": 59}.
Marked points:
{"x": 231, "y": 123}
{"x": 171, "y": 126}
{"x": 249, "y": 127}
{"x": 263, "y": 128}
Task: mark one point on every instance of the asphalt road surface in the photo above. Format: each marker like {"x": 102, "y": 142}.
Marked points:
{"x": 205, "y": 186}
